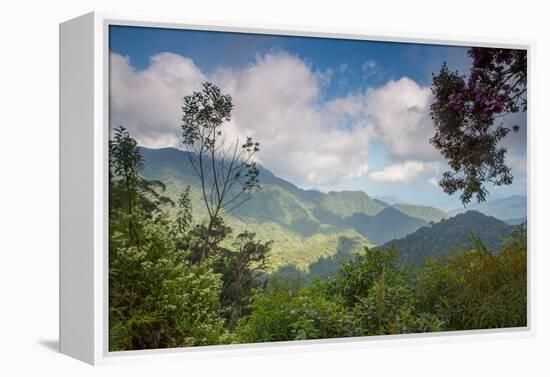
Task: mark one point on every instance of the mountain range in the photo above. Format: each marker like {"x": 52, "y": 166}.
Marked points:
{"x": 306, "y": 225}
{"x": 433, "y": 240}
{"x": 511, "y": 209}
{"x": 439, "y": 239}
{"x": 389, "y": 199}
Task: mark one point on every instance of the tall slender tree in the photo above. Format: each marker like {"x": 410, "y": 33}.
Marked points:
{"x": 129, "y": 191}
{"x": 227, "y": 171}
{"x": 125, "y": 163}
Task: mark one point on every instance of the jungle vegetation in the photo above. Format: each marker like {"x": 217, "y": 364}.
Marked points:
{"x": 180, "y": 275}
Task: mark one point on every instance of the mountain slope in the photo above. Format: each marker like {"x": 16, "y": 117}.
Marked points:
{"x": 306, "y": 225}
{"x": 390, "y": 199}
{"x": 391, "y": 223}
{"x": 346, "y": 203}
{"x": 426, "y": 213}
{"x": 440, "y": 238}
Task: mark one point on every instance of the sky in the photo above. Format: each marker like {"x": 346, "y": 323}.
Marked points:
{"x": 330, "y": 114}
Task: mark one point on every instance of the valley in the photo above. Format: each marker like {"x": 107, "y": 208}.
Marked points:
{"x": 311, "y": 229}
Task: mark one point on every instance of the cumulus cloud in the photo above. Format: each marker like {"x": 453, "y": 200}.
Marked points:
{"x": 148, "y": 102}
{"x": 400, "y": 112}
{"x": 277, "y": 101}
{"x": 404, "y": 172}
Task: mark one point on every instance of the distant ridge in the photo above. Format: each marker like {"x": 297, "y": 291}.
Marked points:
{"x": 389, "y": 199}
{"x": 442, "y": 237}
{"x": 510, "y": 207}
{"x": 306, "y": 225}
{"x": 517, "y": 221}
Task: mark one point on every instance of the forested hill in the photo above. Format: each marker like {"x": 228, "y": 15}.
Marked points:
{"x": 440, "y": 238}
{"x": 306, "y": 225}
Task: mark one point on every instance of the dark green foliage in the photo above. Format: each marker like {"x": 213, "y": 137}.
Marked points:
{"x": 184, "y": 216}
{"x": 164, "y": 289}
{"x": 175, "y": 283}
{"x": 204, "y": 241}
{"x": 388, "y": 224}
{"x": 467, "y": 114}
{"x": 374, "y": 294}
{"x": 358, "y": 276}
{"x": 124, "y": 157}
{"x": 369, "y": 296}
{"x": 131, "y": 193}
{"x": 227, "y": 174}
{"x": 155, "y": 300}
{"x": 328, "y": 266}
{"x": 441, "y": 238}
{"x": 474, "y": 289}
{"x": 242, "y": 267}
{"x": 287, "y": 279}
{"x": 306, "y": 314}
{"x": 389, "y": 308}
{"x": 305, "y": 225}
{"x": 125, "y": 162}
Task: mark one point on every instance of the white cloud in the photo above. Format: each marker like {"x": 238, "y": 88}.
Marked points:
{"x": 148, "y": 102}
{"x": 404, "y": 172}
{"x": 433, "y": 181}
{"x": 401, "y": 115}
{"x": 352, "y": 106}
{"x": 277, "y": 101}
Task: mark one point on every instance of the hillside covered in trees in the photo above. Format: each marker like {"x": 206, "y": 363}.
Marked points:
{"x": 460, "y": 231}
{"x": 279, "y": 214}
{"x": 179, "y": 276}
{"x": 305, "y": 225}
{"x": 208, "y": 247}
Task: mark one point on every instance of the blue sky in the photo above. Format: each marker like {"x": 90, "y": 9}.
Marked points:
{"x": 330, "y": 114}
{"x": 210, "y": 50}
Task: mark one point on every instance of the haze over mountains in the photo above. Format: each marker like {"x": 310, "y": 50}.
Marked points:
{"x": 306, "y": 225}
{"x": 390, "y": 199}
{"x": 512, "y": 209}
{"x": 441, "y": 238}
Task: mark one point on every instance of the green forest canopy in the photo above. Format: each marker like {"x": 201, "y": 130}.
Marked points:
{"x": 166, "y": 291}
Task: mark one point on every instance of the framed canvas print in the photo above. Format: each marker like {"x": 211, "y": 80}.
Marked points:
{"x": 228, "y": 189}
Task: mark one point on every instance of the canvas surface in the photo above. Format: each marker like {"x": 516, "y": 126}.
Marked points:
{"x": 266, "y": 188}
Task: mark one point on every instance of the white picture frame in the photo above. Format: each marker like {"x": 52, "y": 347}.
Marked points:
{"x": 84, "y": 103}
